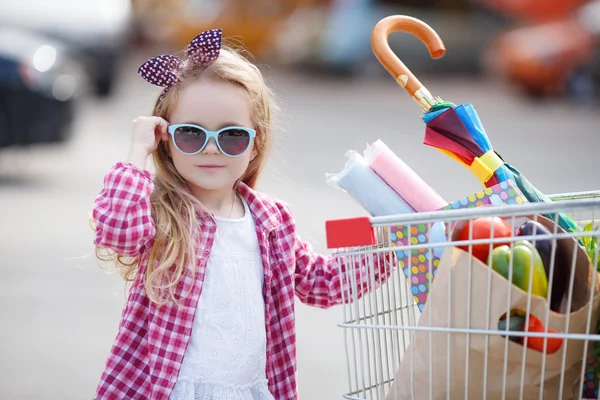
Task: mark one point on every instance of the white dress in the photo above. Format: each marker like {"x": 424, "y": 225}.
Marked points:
{"x": 226, "y": 356}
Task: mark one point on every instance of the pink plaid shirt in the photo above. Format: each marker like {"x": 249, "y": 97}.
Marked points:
{"x": 148, "y": 351}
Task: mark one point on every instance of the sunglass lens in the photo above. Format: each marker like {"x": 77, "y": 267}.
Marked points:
{"x": 189, "y": 139}
{"x": 234, "y": 141}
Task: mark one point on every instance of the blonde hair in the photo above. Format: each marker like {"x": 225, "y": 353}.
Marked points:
{"x": 174, "y": 207}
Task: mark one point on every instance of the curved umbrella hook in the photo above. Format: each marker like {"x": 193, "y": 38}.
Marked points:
{"x": 391, "y": 62}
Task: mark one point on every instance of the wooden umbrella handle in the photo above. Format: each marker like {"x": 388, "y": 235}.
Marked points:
{"x": 391, "y": 62}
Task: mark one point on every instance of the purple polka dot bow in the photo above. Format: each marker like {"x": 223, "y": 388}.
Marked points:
{"x": 163, "y": 70}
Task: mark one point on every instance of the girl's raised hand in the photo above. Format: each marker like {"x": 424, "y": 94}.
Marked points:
{"x": 147, "y": 134}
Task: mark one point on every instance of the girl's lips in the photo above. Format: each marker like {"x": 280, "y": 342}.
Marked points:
{"x": 211, "y": 168}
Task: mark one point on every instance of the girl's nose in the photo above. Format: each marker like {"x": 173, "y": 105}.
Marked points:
{"x": 211, "y": 147}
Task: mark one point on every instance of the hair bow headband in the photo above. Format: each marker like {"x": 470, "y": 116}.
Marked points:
{"x": 164, "y": 70}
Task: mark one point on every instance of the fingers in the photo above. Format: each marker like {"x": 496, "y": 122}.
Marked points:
{"x": 164, "y": 129}
{"x": 161, "y": 127}
{"x": 157, "y": 124}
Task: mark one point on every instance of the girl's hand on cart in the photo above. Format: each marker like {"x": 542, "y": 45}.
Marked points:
{"x": 384, "y": 238}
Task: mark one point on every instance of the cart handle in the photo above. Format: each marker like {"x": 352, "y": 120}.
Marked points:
{"x": 391, "y": 62}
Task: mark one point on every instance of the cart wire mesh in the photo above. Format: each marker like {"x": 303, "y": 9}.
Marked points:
{"x": 380, "y": 325}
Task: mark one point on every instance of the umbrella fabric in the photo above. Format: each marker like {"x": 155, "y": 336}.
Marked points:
{"x": 473, "y": 125}
{"x": 535, "y": 196}
{"x": 447, "y": 129}
{"x": 469, "y": 117}
{"x": 448, "y": 133}
{"x": 450, "y": 125}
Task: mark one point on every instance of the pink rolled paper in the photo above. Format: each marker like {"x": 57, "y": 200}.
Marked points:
{"x": 400, "y": 177}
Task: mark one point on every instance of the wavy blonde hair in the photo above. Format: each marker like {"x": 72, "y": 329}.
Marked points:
{"x": 174, "y": 207}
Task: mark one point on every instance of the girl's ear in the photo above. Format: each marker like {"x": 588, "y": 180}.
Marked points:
{"x": 253, "y": 154}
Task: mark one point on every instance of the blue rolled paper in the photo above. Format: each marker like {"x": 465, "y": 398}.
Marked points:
{"x": 368, "y": 189}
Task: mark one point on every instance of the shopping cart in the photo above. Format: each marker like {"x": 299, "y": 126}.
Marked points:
{"x": 457, "y": 351}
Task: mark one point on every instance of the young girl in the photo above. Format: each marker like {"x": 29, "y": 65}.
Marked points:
{"x": 214, "y": 265}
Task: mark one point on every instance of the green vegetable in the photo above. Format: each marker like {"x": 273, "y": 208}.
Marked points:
{"x": 515, "y": 324}
{"x": 526, "y": 262}
{"x": 590, "y": 243}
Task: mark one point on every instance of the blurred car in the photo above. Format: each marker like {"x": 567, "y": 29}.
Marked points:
{"x": 534, "y": 10}
{"x": 99, "y": 30}
{"x": 554, "y": 58}
{"x": 39, "y": 84}
{"x": 252, "y": 22}
{"x": 339, "y": 42}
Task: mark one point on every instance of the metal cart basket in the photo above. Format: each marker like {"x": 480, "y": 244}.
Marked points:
{"x": 453, "y": 346}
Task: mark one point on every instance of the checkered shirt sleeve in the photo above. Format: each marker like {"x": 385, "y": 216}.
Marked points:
{"x": 122, "y": 212}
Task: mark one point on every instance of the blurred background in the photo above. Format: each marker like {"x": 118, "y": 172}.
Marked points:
{"x": 69, "y": 91}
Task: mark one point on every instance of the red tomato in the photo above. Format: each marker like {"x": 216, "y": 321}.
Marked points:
{"x": 537, "y": 343}
{"x": 482, "y": 229}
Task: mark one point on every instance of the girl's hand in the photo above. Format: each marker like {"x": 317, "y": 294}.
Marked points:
{"x": 147, "y": 134}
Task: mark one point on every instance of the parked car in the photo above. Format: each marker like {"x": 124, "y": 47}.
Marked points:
{"x": 338, "y": 39}
{"x": 552, "y": 58}
{"x": 99, "y": 30}
{"x": 253, "y": 22}
{"x": 40, "y": 82}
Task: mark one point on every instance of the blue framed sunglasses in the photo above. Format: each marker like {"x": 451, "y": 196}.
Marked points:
{"x": 233, "y": 141}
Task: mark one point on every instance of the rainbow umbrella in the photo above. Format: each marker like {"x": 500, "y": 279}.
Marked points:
{"x": 454, "y": 130}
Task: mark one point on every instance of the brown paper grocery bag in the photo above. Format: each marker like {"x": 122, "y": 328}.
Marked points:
{"x": 437, "y": 361}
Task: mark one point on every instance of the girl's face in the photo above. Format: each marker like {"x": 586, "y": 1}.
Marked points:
{"x": 213, "y": 105}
